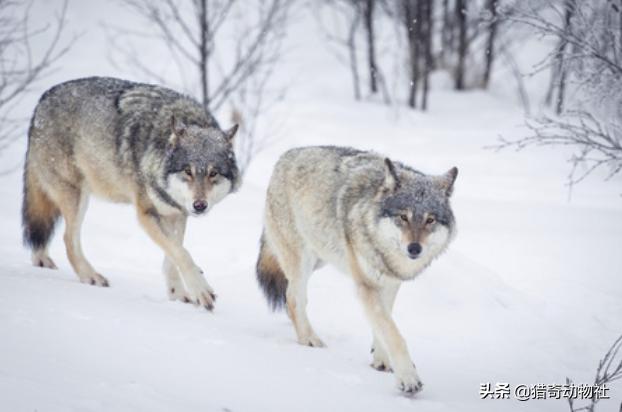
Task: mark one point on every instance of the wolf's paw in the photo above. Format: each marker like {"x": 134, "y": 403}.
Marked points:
{"x": 43, "y": 261}
{"x": 201, "y": 293}
{"x": 381, "y": 360}
{"x": 179, "y": 293}
{"x": 409, "y": 384}
{"x": 203, "y": 296}
{"x": 96, "y": 280}
{"x": 312, "y": 341}
{"x": 382, "y": 366}
{"x": 206, "y": 299}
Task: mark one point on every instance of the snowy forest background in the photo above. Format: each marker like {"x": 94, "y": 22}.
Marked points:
{"x": 523, "y": 96}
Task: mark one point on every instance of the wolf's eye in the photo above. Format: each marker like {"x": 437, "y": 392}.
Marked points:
{"x": 404, "y": 218}
{"x": 188, "y": 171}
{"x": 430, "y": 220}
{"x": 213, "y": 173}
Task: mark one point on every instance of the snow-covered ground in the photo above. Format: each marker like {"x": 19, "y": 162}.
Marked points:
{"x": 528, "y": 293}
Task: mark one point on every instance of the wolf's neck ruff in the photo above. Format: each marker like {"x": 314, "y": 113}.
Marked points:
{"x": 165, "y": 197}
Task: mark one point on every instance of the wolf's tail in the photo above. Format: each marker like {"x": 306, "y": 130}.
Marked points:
{"x": 270, "y": 276}
{"x": 39, "y": 213}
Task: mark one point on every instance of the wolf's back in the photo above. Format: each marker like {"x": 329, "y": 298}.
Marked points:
{"x": 104, "y": 108}
{"x": 77, "y": 109}
{"x": 306, "y": 190}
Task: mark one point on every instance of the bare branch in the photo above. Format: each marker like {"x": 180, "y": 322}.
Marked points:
{"x": 350, "y": 13}
{"x": 609, "y": 370}
{"x": 587, "y": 73}
{"x": 595, "y": 146}
{"x": 250, "y": 39}
{"x": 19, "y": 68}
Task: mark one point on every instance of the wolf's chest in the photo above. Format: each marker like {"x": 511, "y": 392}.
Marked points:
{"x": 380, "y": 265}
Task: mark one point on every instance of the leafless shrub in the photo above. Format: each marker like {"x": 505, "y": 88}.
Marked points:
{"x": 20, "y": 66}
{"x": 609, "y": 370}
{"x": 587, "y": 67}
{"x": 348, "y": 14}
{"x": 595, "y": 146}
{"x": 225, "y": 53}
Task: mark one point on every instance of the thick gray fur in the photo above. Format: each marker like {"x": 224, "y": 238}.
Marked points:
{"x": 380, "y": 221}
{"x": 125, "y": 142}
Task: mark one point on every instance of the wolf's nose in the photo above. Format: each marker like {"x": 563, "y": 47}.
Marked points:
{"x": 199, "y": 205}
{"x": 414, "y": 249}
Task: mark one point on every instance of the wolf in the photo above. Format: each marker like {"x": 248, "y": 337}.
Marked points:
{"x": 378, "y": 220}
{"x": 131, "y": 143}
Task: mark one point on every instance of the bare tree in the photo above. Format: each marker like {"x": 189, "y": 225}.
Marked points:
{"x": 417, "y": 19}
{"x": 558, "y": 73}
{"x": 236, "y": 73}
{"x": 368, "y": 13}
{"x": 427, "y": 35}
{"x": 411, "y": 17}
{"x": 491, "y": 9}
{"x": 461, "y": 18}
{"x": 355, "y": 15}
{"x": 351, "y": 43}
{"x": 350, "y": 12}
{"x": 20, "y": 68}
{"x": 447, "y": 32}
{"x": 437, "y": 34}
{"x": 593, "y": 127}
{"x": 474, "y": 28}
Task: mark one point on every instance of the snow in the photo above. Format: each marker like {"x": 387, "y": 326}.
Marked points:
{"x": 528, "y": 293}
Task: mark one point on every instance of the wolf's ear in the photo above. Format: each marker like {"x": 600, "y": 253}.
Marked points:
{"x": 446, "y": 181}
{"x": 391, "y": 180}
{"x": 230, "y": 134}
{"x": 178, "y": 130}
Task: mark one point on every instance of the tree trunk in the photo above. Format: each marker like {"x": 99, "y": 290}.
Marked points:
{"x": 445, "y": 33}
{"x": 570, "y": 8}
{"x": 203, "y": 53}
{"x": 352, "y": 54}
{"x": 429, "y": 26}
{"x": 558, "y": 76}
{"x": 371, "y": 52}
{"x": 548, "y": 99}
{"x": 491, "y": 6}
{"x": 409, "y": 16}
{"x": 461, "y": 16}
{"x": 412, "y": 20}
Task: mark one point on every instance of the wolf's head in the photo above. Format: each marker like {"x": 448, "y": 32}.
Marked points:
{"x": 200, "y": 166}
{"x": 415, "y": 214}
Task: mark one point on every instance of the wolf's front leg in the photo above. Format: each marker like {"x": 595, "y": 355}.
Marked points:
{"x": 386, "y": 331}
{"x": 175, "y": 227}
{"x": 380, "y": 357}
{"x": 199, "y": 290}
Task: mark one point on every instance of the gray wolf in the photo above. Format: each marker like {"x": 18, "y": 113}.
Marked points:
{"x": 380, "y": 221}
{"x": 130, "y": 143}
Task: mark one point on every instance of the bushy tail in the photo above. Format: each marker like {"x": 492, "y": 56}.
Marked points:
{"x": 271, "y": 277}
{"x": 39, "y": 213}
